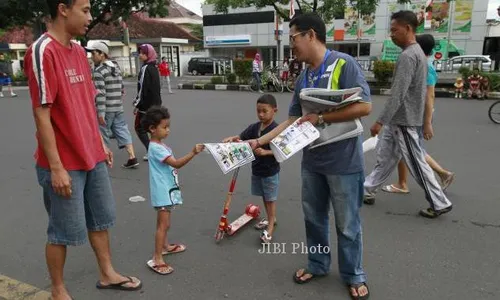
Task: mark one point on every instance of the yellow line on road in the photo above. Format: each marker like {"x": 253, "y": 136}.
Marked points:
{"x": 11, "y": 289}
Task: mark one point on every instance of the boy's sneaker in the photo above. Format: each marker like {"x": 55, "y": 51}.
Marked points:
{"x": 145, "y": 157}
{"x": 1, "y": 95}
{"x": 13, "y": 95}
{"x": 131, "y": 163}
{"x": 265, "y": 237}
{"x": 263, "y": 224}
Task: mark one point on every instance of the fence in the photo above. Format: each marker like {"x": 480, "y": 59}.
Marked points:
{"x": 125, "y": 63}
{"x": 445, "y": 66}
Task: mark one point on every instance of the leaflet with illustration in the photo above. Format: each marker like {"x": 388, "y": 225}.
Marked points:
{"x": 230, "y": 156}
{"x": 293, "y": 139}
{"x": 320, "y": 101}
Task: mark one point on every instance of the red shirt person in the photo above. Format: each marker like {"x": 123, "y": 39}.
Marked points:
{"x": 164, "y": 69}
{"x": 70, "y": 156}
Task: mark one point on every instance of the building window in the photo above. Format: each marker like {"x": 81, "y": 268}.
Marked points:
{"x": 352, "y": 49}
{"x": 238, "y": 19}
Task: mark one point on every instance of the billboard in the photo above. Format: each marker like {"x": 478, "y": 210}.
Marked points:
{"x": 367, "y": 27}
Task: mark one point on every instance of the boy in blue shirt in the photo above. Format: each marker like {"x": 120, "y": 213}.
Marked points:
{"x": 265, "y": 168}
{"x": 164, "y": 183}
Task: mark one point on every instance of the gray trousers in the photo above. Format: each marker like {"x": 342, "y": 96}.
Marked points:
{"x": 394, "y": 142}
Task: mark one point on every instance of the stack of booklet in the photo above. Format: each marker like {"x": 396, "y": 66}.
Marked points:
{"x": 318, "y": 101}
{"x": 230, "y": 156}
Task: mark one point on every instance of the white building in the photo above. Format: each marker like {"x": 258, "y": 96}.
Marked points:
{"x": 243, "y": 32}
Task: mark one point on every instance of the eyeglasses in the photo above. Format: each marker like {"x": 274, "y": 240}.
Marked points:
{"x": 293, "y": 36}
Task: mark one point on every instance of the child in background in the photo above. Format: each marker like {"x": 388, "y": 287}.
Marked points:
{"x": 164, "y": 183}
{"x": 459, "y": 87}
{"x": 265, "y": 168}
{"x": 164, "y": 69}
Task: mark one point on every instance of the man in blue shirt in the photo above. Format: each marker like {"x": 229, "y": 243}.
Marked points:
{"x": 333, "y": 173}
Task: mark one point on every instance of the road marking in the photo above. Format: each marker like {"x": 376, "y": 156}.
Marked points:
{"x": 11, "y": 289}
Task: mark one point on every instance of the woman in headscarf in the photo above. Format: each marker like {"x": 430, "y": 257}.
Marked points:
{"x": 256, "y": 71}
{"x": 148, "y": 90}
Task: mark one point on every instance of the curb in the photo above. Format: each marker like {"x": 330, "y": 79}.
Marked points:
{"x": 213, "y": 87}
{"x": 440, "y": 92}
{"x": 12, "y": 289}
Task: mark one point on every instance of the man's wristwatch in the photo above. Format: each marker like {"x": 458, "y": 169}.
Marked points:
{"x": 320, "y": 120}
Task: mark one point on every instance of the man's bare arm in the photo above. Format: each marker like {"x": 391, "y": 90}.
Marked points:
{"x": 60, "y": 179}
{"x": 47, "y": 137}
{"x": 266, "y": 139}
{"x": 429, "y": 105}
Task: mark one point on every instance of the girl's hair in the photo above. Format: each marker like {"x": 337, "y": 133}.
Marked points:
{"x": 154, "y": 115}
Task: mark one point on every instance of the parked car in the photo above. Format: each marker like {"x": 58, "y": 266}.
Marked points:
{"x": 205, "y": 65}
{"x": 201, "y": 65}
{"x": 455, "y": 63}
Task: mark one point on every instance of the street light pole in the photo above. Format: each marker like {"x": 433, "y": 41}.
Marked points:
{"x": 358, "y": 32}
{"x": 451, "y": 14}
{"x": 126, "y": 41}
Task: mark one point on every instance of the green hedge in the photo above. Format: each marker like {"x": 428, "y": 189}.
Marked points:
{"x": 383, "y": 71}
{"x": 231, "y": 78}
{"x": 243, "y": 69}
{"x": 217, "y": 80}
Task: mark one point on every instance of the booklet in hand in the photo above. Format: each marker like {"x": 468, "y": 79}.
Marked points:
{"x": 293, "y": 139}
{"x": 230, "y": 156}
{"x": 318, "y": 101}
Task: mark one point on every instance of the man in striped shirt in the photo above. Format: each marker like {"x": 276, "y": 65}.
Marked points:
{"x": 109, "y": 84}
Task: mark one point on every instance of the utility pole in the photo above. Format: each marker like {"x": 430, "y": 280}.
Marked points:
{"x": 451, "y": 14}
{"x": 278, "y": 32}
{"x": 359, "y": 32}
{"x": 126, "y": 41}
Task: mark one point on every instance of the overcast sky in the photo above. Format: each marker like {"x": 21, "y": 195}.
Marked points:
{"x": 195, "y": 6}
{"x": 492, "y": 9}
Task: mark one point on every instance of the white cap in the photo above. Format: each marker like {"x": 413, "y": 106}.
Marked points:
{"x": 98, "y": 45}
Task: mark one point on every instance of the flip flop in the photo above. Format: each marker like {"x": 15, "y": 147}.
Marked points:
{"x": 394, "y": 189}
{"x": 120, "y": 285}
{"x": 156, "y": 268}
{"x": 305, "y": 272}
{"x": 177, "y": 249}
{"x": 356, "y": 287}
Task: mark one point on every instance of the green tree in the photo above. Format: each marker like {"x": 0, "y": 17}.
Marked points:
{"x": 327, "y": 9}
{"x": 197, "y": 31}
{"x": 34, "y": 12}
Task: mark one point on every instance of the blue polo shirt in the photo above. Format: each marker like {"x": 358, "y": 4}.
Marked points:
{"x": 342, "y": 157}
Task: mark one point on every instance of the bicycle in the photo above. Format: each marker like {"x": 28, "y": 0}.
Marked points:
{"x": 268, "y": 78}
{"x": 494, "y": 112}
{"x": 290, "y": 82}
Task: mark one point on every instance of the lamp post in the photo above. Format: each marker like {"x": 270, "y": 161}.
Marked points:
{"x": 451, "y": 13}
{"x": 126, "y": 41}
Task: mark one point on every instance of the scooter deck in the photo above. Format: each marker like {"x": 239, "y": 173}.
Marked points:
{"x": 238, "y": 223}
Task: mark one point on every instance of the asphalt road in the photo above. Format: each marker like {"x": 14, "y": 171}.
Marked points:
{"x": 406, "y": 256}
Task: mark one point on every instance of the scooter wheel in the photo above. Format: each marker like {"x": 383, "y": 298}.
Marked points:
{"x": 219, "y": 235}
